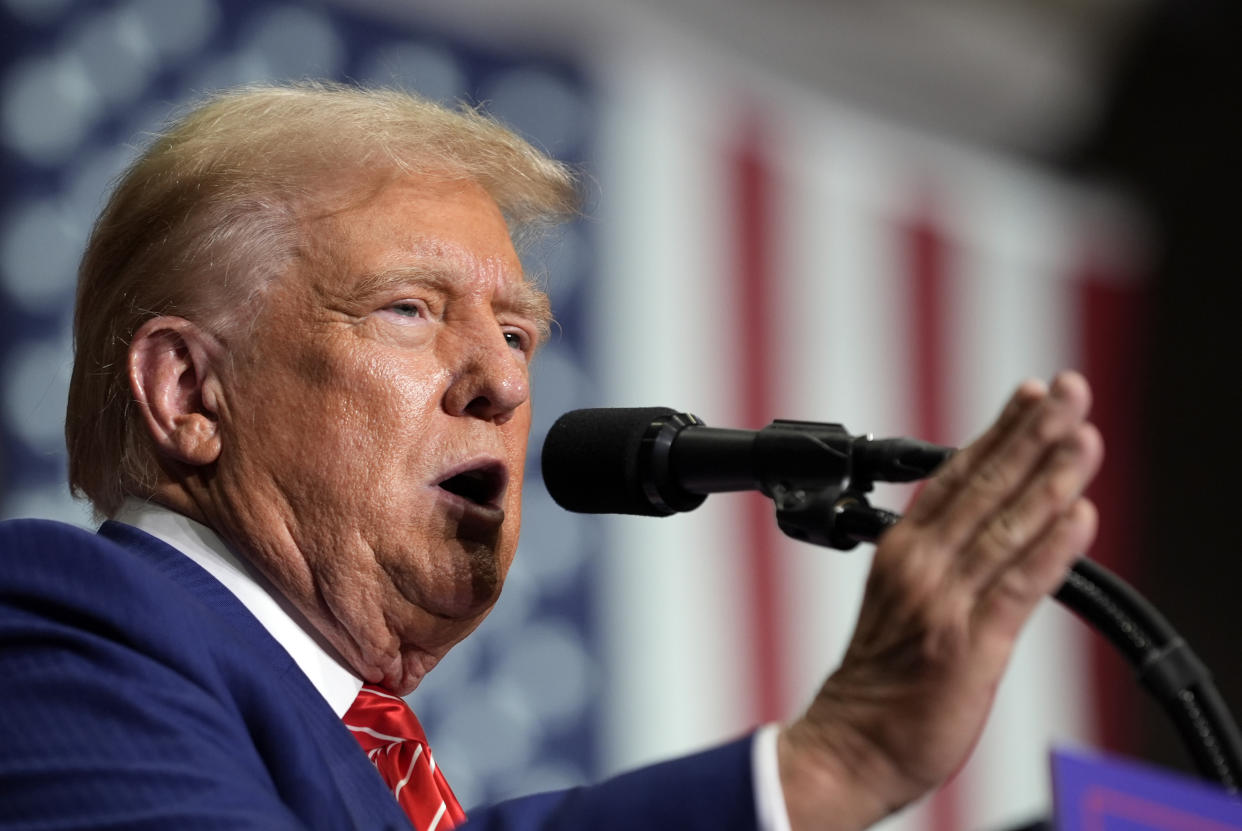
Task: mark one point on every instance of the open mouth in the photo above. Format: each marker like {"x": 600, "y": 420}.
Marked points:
{"x": 482, "y": 484}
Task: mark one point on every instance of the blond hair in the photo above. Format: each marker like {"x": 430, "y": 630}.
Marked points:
{"x": 201, "y": 223}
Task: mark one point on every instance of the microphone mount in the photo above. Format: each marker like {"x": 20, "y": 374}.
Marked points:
{"x": 808, "y": 469}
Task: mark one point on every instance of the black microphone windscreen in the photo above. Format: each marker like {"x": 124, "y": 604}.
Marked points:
{"x": 590, "y": 460}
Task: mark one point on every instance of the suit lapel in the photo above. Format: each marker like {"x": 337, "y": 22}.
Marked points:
{"x": 360, "y": 790}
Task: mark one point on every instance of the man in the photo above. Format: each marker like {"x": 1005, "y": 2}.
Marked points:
{"x": 301, "y": 384}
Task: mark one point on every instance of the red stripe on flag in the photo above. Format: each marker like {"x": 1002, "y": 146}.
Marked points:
{"x": 753, "y": 197}
{"x": 926, "y": 250}
{"x": 1113, "y": 314}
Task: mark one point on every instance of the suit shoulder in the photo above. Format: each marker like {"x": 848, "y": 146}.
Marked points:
{"x": 125, "y": 695}
{"x": 42, "y": 531}
{"x": 33, "y": 551}
{"x": 58, "y": 575}
{"x": 33, "y": 547}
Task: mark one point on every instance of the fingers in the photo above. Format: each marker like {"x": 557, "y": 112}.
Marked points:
{"x": 941, "y": 488}
{"x": 1015, "y": 526}
{"x": 991, "y": 472}
{"x": 1012, "y": 595}
{"x": 950, "y": 587}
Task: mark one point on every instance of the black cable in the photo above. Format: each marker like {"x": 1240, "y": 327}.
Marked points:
{"x": 1165, "y": 664}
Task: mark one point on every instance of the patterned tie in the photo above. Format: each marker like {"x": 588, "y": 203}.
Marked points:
{"x": 394, "y": 741}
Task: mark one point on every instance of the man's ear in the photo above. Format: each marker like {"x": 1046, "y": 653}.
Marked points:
{"x": 173, "y": 379}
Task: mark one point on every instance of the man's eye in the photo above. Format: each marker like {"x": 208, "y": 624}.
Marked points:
{"x": 516, "y": 340}
{"x": 407, "y": 309}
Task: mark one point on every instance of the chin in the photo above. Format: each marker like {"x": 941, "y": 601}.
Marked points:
{"x": 477, "y": 577}
{"x": 469, "y": 607}
{"x": 406, "y": 671}
{"x": 485, "y": 587}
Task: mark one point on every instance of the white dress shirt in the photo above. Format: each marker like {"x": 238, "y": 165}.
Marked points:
{"x": 331, "y": 677}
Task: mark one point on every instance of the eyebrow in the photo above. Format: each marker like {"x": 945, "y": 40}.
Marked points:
{"x": 522, "y": 298}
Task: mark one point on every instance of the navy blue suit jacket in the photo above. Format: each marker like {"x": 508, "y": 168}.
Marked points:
{"x": 137, "y": 692}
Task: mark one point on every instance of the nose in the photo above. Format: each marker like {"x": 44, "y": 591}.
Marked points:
{"x": 491, "y": 382}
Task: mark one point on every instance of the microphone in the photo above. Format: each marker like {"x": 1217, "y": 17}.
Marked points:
{"x": 655, "y": 461}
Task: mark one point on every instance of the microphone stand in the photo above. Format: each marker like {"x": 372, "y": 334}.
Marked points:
{"x": 839, "y": 517}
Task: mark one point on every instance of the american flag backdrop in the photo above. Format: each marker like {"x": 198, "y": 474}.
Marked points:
{"x": 750, "y": 252}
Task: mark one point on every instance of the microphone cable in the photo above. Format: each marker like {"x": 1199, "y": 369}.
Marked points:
{"x": 1165, "y": 664}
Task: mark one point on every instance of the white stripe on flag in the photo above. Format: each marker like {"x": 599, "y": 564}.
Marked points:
{"x": 675, "y": 679}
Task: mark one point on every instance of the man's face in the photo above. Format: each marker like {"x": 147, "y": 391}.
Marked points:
{"x": 376, "y": 420}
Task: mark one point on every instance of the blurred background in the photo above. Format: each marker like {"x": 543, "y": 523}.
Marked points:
{"x": 883, "y": 214}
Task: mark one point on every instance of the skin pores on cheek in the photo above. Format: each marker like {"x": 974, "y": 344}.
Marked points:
{"x": 372, "y": 445}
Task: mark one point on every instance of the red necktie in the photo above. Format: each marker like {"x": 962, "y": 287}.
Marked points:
{"x": 394, "y": 741}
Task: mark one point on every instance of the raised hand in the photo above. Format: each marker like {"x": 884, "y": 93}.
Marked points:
{"x": 949, "y": 590}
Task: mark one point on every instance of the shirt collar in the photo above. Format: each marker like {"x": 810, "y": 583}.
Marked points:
{"x": 326, "y": 671}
